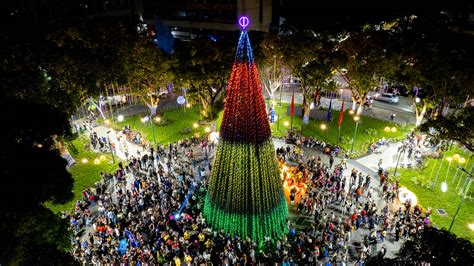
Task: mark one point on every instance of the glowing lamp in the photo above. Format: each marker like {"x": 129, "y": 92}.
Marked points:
{"x": 84, "y": 160}
{"x": 356, "y": 118}
{"x": 286, "y": 123}
{"x": 214, "y": 136}
{"x": 207, "y": 129}
{"x": 417, "y": 100}
{"x": 444, "y": 186}
{"x": 120, "y": 118}
{"x": 462, "y": 160}
{"x": 195, "y": 125}
{"x": 144, "y": 119}
{"x": 394, "y": 129}
{"x": 102, "y": 157}
{"x": 351, "y": 112}
{"x": 456, "y": 157}
{"x": 107, "y": 121}
{"x": 188, "y": 105}
{"x": 97, "y": 161}
{"x": 471, "y": 226}
{"x": 176, "y": 216}
{"x": 386, "y": 129}
{"x": 311, "y": 106}
{"x": 323, "y": 126}
{"x": 405, "y": 195}
{"x": 158, "y": 119}
{"x": 449, "y": 159}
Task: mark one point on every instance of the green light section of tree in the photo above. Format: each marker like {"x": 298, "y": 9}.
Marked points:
{"x": 245, "y": 192}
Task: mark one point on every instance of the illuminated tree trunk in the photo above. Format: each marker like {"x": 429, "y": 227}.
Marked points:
{"x": 420, "y": 113}
{"x": 245, "y": 194}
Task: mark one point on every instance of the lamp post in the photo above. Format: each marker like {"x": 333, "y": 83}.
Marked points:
{"x": 439, "y": 169}
{"x": 465, "y": 189}
{"x": 357, "y": 120}
{"x": 450, "y": 160}
{"x": 402, "y": 151}
{"x": 110, "y": 147}
{"x": 323, "y": 128}
{"x": 148, "y": 119}
{"x": 460, "y": 161}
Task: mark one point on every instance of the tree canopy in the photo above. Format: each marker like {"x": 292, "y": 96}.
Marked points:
{"x": 33, "y": 172}
{"x": 433, "y": 246}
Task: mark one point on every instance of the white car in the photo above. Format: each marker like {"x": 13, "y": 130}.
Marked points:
{"x": 386, "y": 97}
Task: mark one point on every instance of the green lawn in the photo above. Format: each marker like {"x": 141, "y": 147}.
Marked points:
{"x": 369, "y": 129}
{"x": 313, "y": 129}
{"x": 170, "y": 128}
{"x": 85, "y": 174}
{"x": 419, "y": 180}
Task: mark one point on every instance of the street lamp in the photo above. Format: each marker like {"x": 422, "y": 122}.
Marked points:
{"x": 120, "y": 118}
{"x": 195, "y": 125}
{"x": 356, "y": 120}
{"x": 351, "y": 111}
{"x": 148, "y": 119}
{"x": 450, "y": 160}
{"x": 400, "y": 152}
{"x": 323, "y": 126}
{"x": 464, "y": 191}
{"x": 460, "y": 161}
{"x": 286, "y": 123}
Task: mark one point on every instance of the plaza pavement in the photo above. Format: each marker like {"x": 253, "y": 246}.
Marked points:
{"x": 366, "y": 164}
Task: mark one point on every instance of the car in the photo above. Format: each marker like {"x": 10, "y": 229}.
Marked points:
{"x": 386, "y": 97}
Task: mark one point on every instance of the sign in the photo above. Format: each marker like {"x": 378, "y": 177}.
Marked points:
{"x": 272, "y": 115}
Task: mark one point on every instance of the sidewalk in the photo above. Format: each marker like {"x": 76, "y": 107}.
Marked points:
{"x": 368, "y": 165}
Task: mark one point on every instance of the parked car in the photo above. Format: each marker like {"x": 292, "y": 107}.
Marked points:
{"x": 386, "y": 97}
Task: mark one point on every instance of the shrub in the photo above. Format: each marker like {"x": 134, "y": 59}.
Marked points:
{"x": 371, "y": 131}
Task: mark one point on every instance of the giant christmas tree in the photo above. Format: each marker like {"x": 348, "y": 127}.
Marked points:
{"x": 245, "y": 196}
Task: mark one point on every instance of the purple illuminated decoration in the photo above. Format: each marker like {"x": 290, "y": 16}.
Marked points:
{"x": 244, "y": 22}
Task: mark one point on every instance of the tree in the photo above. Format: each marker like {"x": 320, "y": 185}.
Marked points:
{"x": 271, "y": 67}
{"x": 245, "y": 196}
{"x": 437, "y": 60}
{"x": 432, "y": 246}
{"x": 85, "y": 58}
{"x": 456, "y": 126}
{"x": 367, "y": 59}
{"x": 33, "y": 172}
{"x": 149, "y": 70}
{"x": 203, "y": 67}
{"x": 309, "y": 57}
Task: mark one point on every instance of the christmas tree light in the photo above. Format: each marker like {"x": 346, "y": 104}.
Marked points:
{"x": 245, "y": 194}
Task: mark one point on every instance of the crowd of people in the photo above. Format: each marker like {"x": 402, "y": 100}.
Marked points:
{"x": 150, "y": 211}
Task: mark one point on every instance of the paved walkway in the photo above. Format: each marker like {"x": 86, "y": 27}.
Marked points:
{"x": 367, "y": 165}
